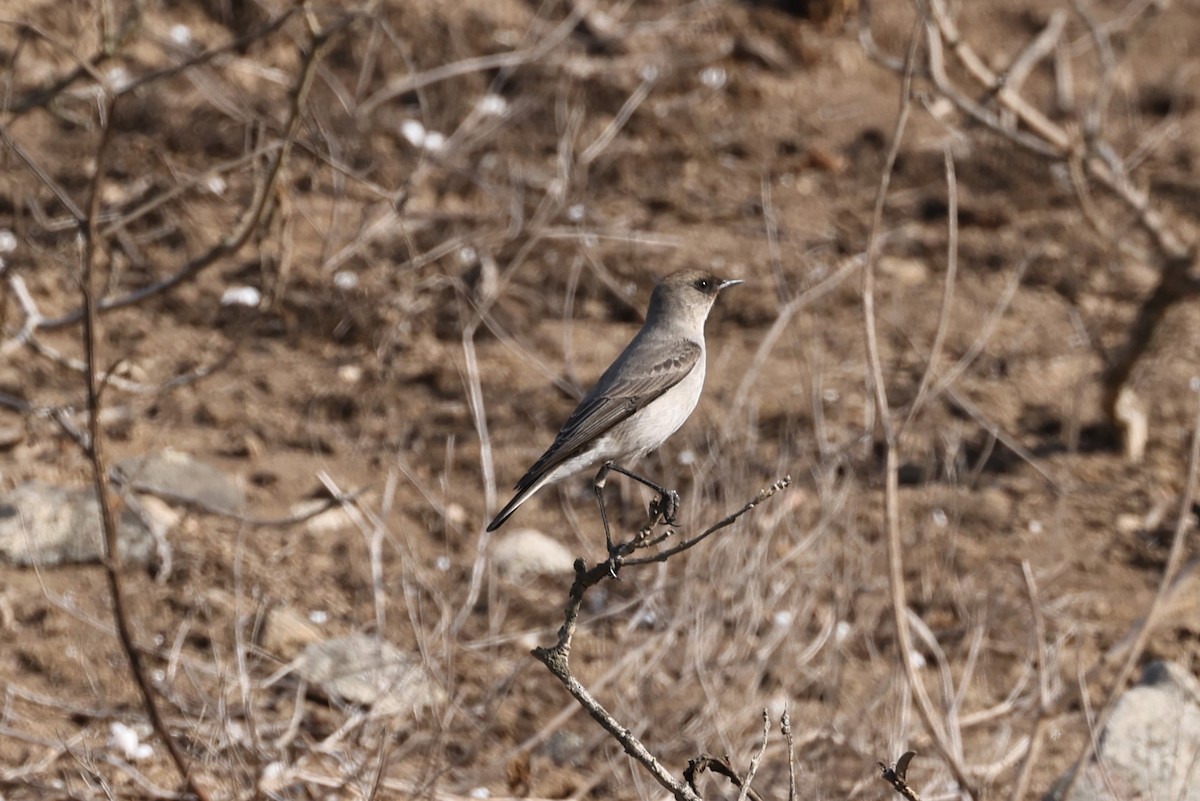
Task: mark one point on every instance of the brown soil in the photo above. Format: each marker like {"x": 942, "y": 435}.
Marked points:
{"x": 757, "y": 152}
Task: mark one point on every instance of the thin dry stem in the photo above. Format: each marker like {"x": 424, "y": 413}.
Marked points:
{"x": 95, "y": 453}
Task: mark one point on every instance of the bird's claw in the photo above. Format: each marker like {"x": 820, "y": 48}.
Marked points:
{"x": 666, "y": 506}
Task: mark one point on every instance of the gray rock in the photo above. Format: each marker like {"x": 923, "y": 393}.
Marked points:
{"x": 527, "y": 552}
{"x": 176, "y": 477}
{"x": 45, "y": 525}
{"x": 365, "y": 671}
{"x": 1151, "y": 747}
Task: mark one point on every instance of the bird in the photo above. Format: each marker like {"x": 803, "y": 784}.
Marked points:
{"x": 643, "y": 398}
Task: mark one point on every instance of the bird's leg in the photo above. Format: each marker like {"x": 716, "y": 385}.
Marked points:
{"x": 598, "y": 486}
{"x": 668, "y": 500}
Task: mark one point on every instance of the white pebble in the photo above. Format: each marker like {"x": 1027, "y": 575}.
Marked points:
{"x": 841, "y": 631}
{"x": 480, "y": 792}
{"x": 216, "y": 184}
{"x": 414, "y": 132}
{"x": 8, "y": 241}
{"x": 344, "y": 279}
{"x": 784, "y": 618}
{"x": 126, "y": 740}
{"x": 241, "y": 296}
{"x": 181, "y": 35}
{"x": 435, "y": 141}
{"x": 939, "y": 518}
{"x": 576, "y": 212}
{"x": 713, "y": 77}
{"x": 119, "y": 78}
{"x": 687, "y": 456}
{"x": 442, "y": 563}
{"x": 1035, "y": 526}
{"x": 318, "y": 616}
{"x": 493, "y": 105}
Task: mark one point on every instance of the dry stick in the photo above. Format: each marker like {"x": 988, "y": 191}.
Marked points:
{"x": 1174, "y": 562}
{"x": 720, "y": 766}
{"x": 785, "y": 725}
{"x": 879, "y": 390}
{"x": 939, "y": 338}
{"x": 898, "y": 776}
{"x": 494, "y": 61}
{"x": 112, "y": 555}
{"x": 756, "y": 760}
{"x": 1044, "y": 700}
{"x": 1049, "y": 139}
{"x": 556, "y": 658}
{"x": 242, "y": 232}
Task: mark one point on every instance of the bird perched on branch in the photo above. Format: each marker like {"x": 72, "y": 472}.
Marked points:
{"x": 642, "y": 398}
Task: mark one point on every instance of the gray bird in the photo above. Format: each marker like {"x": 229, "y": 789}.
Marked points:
{"x": 642, "y": 398}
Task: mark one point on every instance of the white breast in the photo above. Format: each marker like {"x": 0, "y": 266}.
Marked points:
{"x": 650, "y": 427}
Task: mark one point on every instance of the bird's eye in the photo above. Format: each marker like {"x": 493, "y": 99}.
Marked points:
{"x": 703, "y": 284}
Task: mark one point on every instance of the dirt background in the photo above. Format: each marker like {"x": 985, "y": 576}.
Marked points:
{"x": 429, "y": 316}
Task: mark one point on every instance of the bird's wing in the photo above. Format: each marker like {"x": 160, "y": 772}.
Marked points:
{"x": 599, "y": 412}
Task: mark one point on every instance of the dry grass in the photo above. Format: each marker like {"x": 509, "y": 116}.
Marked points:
{"x": 452, "y": 216}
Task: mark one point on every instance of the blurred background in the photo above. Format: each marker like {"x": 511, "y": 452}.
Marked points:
{"x": 375, "y": 252}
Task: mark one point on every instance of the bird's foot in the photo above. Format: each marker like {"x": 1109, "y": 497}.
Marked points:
{"x": 614, "y": 561}
{"x": 666, "y": 506}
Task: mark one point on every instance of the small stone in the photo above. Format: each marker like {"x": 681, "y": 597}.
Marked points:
{"x": 46, "y": 525}
{"x": 330, "y": 521}
{"x": 527, "y": 552}
{"x": 11, "y": 436}
{"x": 904, "y": 271}
{"x": 1151, "y": 745}
{"x": 369, "y": 672}
{"x": 177, "y": 477}
{"x": 287, "y": 632}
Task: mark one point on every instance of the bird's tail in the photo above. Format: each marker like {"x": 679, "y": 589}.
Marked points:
{"x": 512, "y": 505}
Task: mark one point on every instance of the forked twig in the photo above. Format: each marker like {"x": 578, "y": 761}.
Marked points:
{"x": 556, "y": 657}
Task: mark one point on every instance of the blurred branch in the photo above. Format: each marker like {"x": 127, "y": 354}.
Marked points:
{"x": 1082, "y": 148}
{"x": 263, "y": 191}
{"x": 878, "y": 387}
{"x": 95, "y": 453}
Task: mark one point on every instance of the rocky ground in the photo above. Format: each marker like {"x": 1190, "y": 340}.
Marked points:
{"x": 474, "y": 203}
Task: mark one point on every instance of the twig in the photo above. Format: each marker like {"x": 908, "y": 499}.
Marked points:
{"x": 722, "y": 767}
{"x": 263, "y": 192}
{"x": 1044, "y": 701}
{"x": 785, "y": 725}
{"x": 662, "y": 556}
{"x": 112, "y": 548}
{"x": 556, "y": 657}
{"x": 943, "y": 324}
{"x": 883, "y": 411}
{"x": 756, "y": 760}
{"x": 898, "y": 776}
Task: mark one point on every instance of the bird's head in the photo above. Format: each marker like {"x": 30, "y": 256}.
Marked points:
{"x": 688, "y": 296}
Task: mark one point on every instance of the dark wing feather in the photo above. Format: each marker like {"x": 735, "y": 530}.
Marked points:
{"x": 600, "y": 411}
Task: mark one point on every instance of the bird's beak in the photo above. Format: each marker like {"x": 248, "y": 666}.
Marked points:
{"x": 728, "y": 282}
